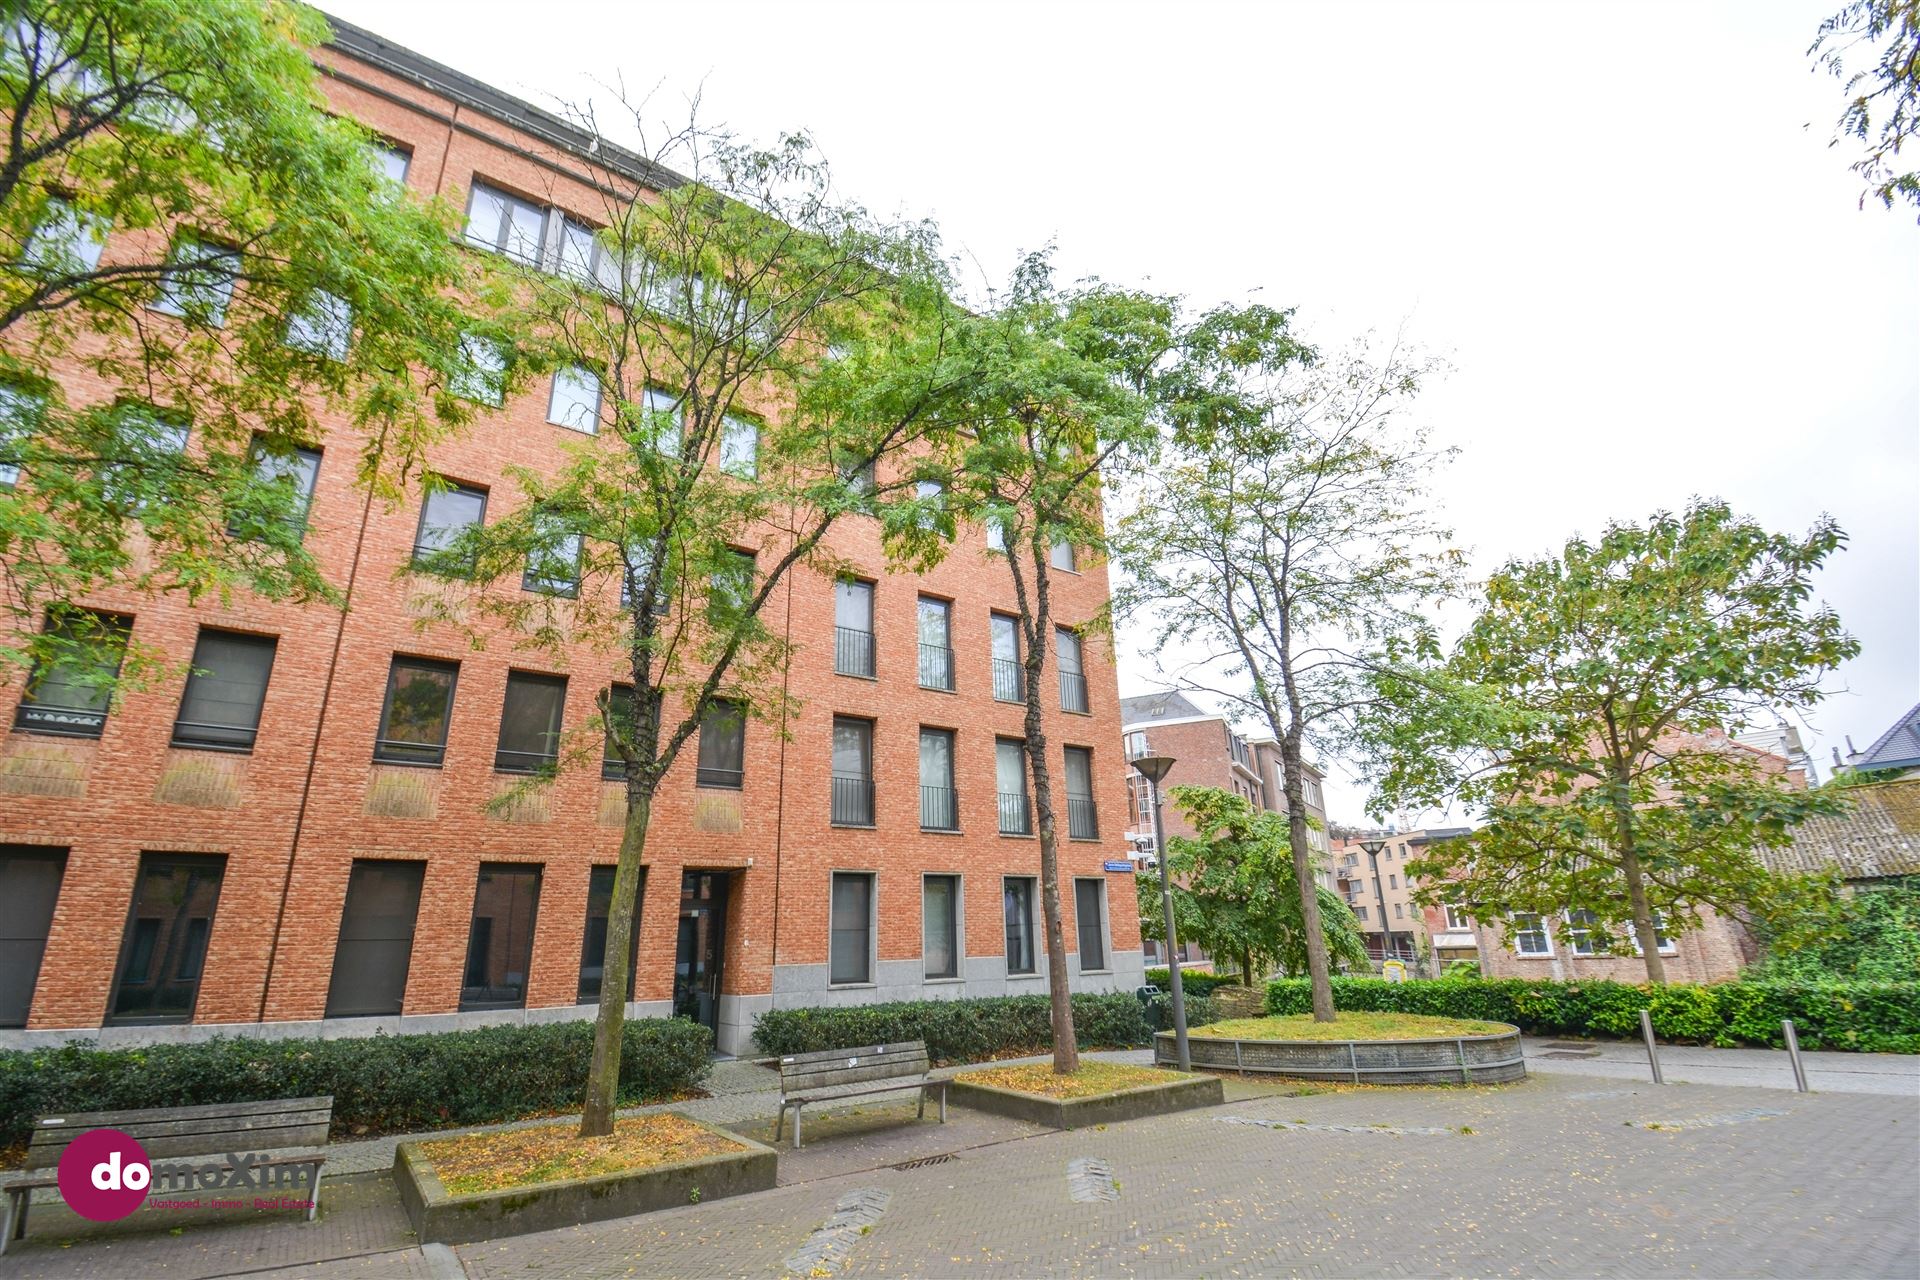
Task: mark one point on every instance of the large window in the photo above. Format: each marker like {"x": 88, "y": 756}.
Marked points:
{"x": 553, "y": 565}
{"x": 1073, "y": 677}
{"x": 225, "y": 687}
{"x": 1061, "y": 556}
{"x": 853, "y": 628}
{"x": 619, "y": 715}
{"x": 500, "y": 942}
{"x": 530, "y": 722}
{"x": 505, "y": 223}
{"x": 1529, "y": 932}
{"x": 593, "y": 943}
{"x": 70, "y": 696}
{"x": 739, "y": 447}
{"x": 732, "y": 588}
{"x": 1019, "y": 916}
{"x": 723, "y": 746}
{"x": 850, "y": 946}
{"x": 574, "y": 400}
{"x": 445, "y": 516}
{"x": 20, "y": 411}
{"x": 148, "y": 444}
{"x": 940, "y": 925}
{"x": 939, "y": 811}
{"x": 287, "y": 481}
{"x": 376, "y": 939}
{"x": 323, "y": 327}
{"x": 852, "y": 801}
{"x": 65, "y": 242}
{"x": 198, "y": 282}
{"x": 1090, "y": 920}
{"x": 936, "y": 644}
{"x": 1083, "y": 820}
{"x": 1010, "y": 781}
{"x": 418, "y": 708}
{"x": 480, "y": 372}
{"x": 1009, "y": 678}
{"x": 29, "y": 888}
{"x": 164, "y": 949}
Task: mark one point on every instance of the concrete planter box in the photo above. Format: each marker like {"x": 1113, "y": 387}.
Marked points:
{"x": 440, "y": 1217}
{"x": 1437, "y": 1060}
{"x": 1105, "y": 1108}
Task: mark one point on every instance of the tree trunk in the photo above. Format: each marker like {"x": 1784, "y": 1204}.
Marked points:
{"x": 1317, "y": 971}
{"x": 603, "y": 1073}
{"x": 1066, "y": 1054}
{"x": 1624, "y": 849}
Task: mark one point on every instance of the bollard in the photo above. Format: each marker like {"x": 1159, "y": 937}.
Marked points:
{"x": 1793, "y": 1055}
{"x": 1653, "y": 1054}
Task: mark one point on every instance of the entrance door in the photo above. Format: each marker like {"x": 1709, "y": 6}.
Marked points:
{"x": 29, "y": 886}
{"x": 702, "y": 943}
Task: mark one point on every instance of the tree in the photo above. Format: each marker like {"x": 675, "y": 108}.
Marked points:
{"x": 1283, "y": 543}
{"x": 1876, "y": 938}
{"x": 224, "y": 261}
{"x": 1586, "y": 713}
{"x": 754, "y": 360}
{"x": 1883, "y": 109}
{"x": 1234, "y": 892}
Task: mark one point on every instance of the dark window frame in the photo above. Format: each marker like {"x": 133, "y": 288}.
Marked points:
{"x": 1031, "y": 886}
{"x": 718, "y": 775}
{"x": 381, "y": 741}
{"x": 516, "y": 759}
{"x": 870, "y": 931}
{"x": 164, "y": 950}
{"x": 850, "y": 793}
{"x": 240, "y": 739}
{"x": 32, "y": 715}
{"x": 423, "y": 555}
{"x": 534, "y": 871}
{"x": 336, "y": 997}
{"x": 956, "y": 923}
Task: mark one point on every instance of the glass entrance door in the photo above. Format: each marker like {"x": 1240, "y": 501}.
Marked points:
{"x": 702, "y": 943}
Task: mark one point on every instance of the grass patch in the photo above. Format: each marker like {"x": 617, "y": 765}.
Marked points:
{"x": 495, "y": 1161}
{"x": 1348, "y": 1026}
{"x": 1091, "y": 1079}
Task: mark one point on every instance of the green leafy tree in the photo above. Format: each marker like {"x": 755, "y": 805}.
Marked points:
{"x": 1283, "y": 542}
{"x": 1883, "y": 103}
{"x": 183, "y": 221}
{"x": 1876, "y": 938}
{"x": 1584, "y": 713}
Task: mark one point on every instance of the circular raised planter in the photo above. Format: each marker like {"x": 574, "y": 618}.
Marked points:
{"x": 1487, "y": 1059}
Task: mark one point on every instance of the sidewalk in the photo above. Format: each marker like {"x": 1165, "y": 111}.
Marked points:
{"x": 1897, "y": 1074}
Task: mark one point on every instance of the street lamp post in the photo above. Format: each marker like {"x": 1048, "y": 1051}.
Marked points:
{"x": 1154, "y": 769}
{"x": 1373, "y": 844}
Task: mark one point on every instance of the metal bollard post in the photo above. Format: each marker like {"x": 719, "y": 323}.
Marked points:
{"x": 1793, "y": 1055}
{"x": 1653, "y": 1054}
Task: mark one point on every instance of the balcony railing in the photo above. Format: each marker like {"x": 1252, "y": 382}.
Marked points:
{"x": 1073, "y": 692}
{"x": 852, "y": 801}
{"x": 936, "y": 666}
{"x": 1016, "y": 814}
{"x": 505, "y": 761}
{"x": 708, "y": 776}
{"x": 939, "y": 809}
{"x": 1009, "y": 681}
{"x": 74, "y": 722}
{"x": 852, "y": 652}
{"x": 1083, "y": 821}
{"x": 400, "y": 751}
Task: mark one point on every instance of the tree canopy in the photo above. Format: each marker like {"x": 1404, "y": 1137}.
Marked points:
{"x": 1883, "y": 102}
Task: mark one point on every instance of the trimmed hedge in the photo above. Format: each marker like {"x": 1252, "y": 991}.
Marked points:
{"x": 1868, "y": 1017}
{"x": 955, "y": 1030}
{"x": 1192, "y": 982}
{"x": 381, "y": 1084}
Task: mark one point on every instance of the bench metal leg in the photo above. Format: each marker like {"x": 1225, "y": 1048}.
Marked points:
{"x": 922, "y": 1113}
{"x": 313, "y": 1193}
{"x": 780, "y": 1121}
{"x": 943, "y": 1102}
{"x": 796, "y": 1126}
{"x": 15, "y": 1226}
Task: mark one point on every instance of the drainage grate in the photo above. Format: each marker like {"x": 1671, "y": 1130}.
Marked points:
{"x": 923, "y": 1162}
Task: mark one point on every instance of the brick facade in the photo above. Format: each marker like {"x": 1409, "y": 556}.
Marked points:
{"x": 1714, "y": 950}
{"x": 291, "y": 817}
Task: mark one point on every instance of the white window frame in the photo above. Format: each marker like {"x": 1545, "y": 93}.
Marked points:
{"x": 1456, "y": 917}
{"x": 1545, "y": 932}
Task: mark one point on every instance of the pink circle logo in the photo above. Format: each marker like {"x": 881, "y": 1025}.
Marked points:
{"x": 104, "y": 1175}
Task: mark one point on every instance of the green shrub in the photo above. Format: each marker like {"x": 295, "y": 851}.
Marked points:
{"x": 1872, "y": 1017}
{"x": 382, "y": 1084}
{"x": 955, "y": 1030}
{"x": 1192, "y": 983}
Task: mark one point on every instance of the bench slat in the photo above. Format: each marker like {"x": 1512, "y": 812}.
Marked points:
{"x": 862, "y": 1090}
{"x": 824, "y": 1079}
{"x": 169, "y": 1132}
{"x": 104, "y": 1119}
{"x": 187, "y": 1128}
{"x": 863, "y": 1051}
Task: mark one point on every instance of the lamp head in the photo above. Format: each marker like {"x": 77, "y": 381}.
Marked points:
{"x": 1373, "y": 843}
{"x": 1154, "y": 768}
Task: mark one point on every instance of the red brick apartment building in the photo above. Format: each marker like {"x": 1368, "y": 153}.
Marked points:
{"x": 253, "y": 850}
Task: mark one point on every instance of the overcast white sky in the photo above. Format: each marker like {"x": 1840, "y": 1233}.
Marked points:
{"x": 1621, "y": 223}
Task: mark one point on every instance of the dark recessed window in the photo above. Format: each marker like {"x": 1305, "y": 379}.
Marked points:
{"x": 940, "y": 925}
{"x": 852, "y": 780}
{"x": 618, "y": 718}
{"x": 1089, "y": 918}
{"x": 1018, "y": 893}
{"x": 221, "y": 706}
{"x": 71, "y": 694}
{"x": 530, "y": 722}
{"x": 29, "y": 888}
{"x": 853, "y": 628}
{"x": 500, "y": 941}
{"x": 936, "y": 644}
{"x": 376, "y": 939}
{"x": 939, "y": 809}
{"x": 723, "y": 745}
{"x": 1010, "y": 779}
{"x": 164, "y": 950}
{"x": 850, "y": 946}
{"x": 418, "y": 707}
{"x": 593, "y": 943}
{"x": 1082, "y": 819}
{"x": 445, "y": 516}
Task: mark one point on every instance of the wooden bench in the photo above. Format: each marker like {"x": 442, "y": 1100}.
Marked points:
{"x": 833, "y": 1075}
{"x": 242, "y": 1129}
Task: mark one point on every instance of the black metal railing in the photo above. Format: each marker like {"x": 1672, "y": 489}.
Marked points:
{"x": 396, "y": 751}
{"x": 613, "y": 769}
{"x": 852, "y": 652}
{"x": 505, "y": 761}
{"x": 1083, "y": 822}
{"x": 1016, "y": 814}
{"x": 708, "y": 776}
{"x": 213, "y": 737}
{"x": 1073, "y": 692}
{"x": 939, "y": 809}
{"x": 852, "y": 801}
{"x": 936, "y": 666}
{"x": 1009, "y": 681}
{"x": 73, "y": 722}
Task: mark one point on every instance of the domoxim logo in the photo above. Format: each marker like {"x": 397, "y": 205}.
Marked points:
{"x": 104, "y": 1175}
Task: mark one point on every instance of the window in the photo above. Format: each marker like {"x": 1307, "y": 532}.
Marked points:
{"x": 20, "y": 412}
{"x": 739, "y": 447}
{"x": 1090, "y": 919}
{"x": 939, "y": 811}
{"x": 376, "y": 939}
{"x": 663, "y": 421}
{"x": 419, "y": 705}
{"x": 198, "y": 282}
{"x": 553, "y": 566}
{"x": 619, "y": 713}
{"x": 723, "y": 746}
{"x": 1082, "y": 820}
{"x": 584, "y": 259}
{"x": 933, "y": 497}
{"x": 390, "y": 162}
{"x": 1529, "y": 932}
{"x": 500, "y": 941}
{"x": 859, "y": 476}
{"x": 446, "y": 515}
{"x": 1073, "y": 678}
{"x": 29, "y": 889}
{"x": 850, "y": 944}
{"x": 324, "y": 327}
{"x": 1457, "y": 917}
{"x": 852, "y": 800}
{"x": 1018, "y": 892}
{"x": 853, "y": 628}
{"x": 593, "y": 942}
{"x": 505, "y": 224}
{"x": 996, "y": 533}
{"x": 480, "y": 374}
{"x": 70, "y": 695}
{"x": 1393, "y": 881}
{"x": 1359, "y": 913}
{"x": 733, "y": 585}
{"x": 530, "y": 722}
{"x": 148, "y": 445}
{"x": 1010, "y": 782}
{"x": 1062, "y": 556}
{"x": 1399, "y": 912}
{"x": 164, "y": 949}
{"x": 287, "y": 481}
{"x": 574, "y": 400}
{"x": 936, "y": 644}
{"x": 221, "y": 707}
{"x": 1581, "y": 927}
{"x": 65, "y": 242}
{"x": 1009, "y": 677}
{"x": 940, "y": 925}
